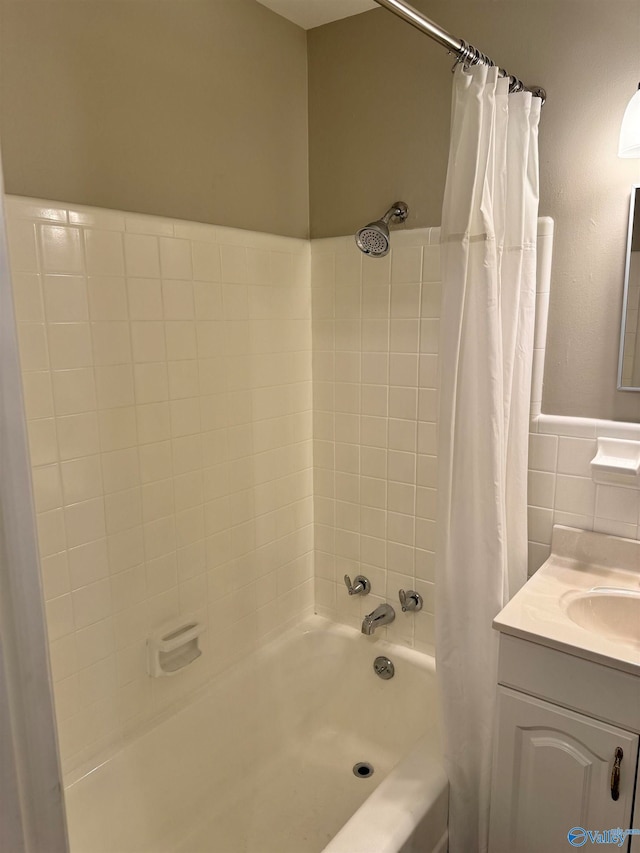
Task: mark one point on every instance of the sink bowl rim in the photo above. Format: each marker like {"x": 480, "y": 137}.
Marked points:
{"x": 597, "y": 592}
{"x": 596, "y": 622}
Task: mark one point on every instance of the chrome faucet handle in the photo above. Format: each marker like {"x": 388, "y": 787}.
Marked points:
{"x": 362, "y": 585}
{"x": 410, "y": 600}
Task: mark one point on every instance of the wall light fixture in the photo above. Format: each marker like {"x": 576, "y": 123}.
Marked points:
{"x": 630, "y": 130}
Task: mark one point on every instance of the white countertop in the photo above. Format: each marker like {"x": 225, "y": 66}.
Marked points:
{"x": 579, "y": 561}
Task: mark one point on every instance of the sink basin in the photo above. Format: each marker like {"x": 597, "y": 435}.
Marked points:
{"x": 613, "y": 613}
{"x": 584, "y": 600}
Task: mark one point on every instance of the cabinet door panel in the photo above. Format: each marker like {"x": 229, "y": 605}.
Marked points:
{"x": 552, "y": 772}
{"x": 635, "y": 839}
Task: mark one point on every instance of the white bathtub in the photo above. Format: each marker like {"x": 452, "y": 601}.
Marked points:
{"x": 261, "y": 762}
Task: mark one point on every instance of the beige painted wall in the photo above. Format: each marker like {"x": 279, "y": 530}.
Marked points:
{"x": 184, "y": 108}
{"x": 379, "y": 124}
{"x": 198, "y": 110}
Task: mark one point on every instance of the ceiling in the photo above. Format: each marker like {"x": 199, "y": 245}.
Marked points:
{"x": 314, "y": 13}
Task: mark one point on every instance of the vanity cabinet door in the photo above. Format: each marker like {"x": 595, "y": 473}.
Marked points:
{"x": 635, "y": 839}
{"x": 551, "y": 773}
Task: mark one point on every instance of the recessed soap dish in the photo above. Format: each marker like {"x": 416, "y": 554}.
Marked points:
{"x": 173, "y": 647}
{"x": 617, "y": 463}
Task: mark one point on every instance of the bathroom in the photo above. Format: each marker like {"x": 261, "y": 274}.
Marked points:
{"x": 229, "y": 408}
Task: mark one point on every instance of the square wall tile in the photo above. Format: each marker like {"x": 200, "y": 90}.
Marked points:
{"x": 81, "y": 479}
{"x": 405, "y": 301}
{"x": 142, "y": 257}
{"x": 59, "y": 613}
{"x": 65, "y": 298}
{"x": 406, "y": 264}
{"x": 145, "y": 298}
{"x": 23, "y": 253}
{"x": 123, "y": 510}
{"x": 543, "y": 452}
{"x": 111, "y": 343}
{"x": 376, "y": 271}
{"x": 104, "y": 252}
{"x": 403, "y": 369}
{"x": 183, "y": 379}
{"x": 153, "y": 421}
{"x": 181, "y": 341}
{"x": 177, "y": 297}
{"x": 175, "y": 258}
{"x": 120, "y": 470}
{"x": 404, "y": 335}
{"x": 206, "y": 261}
{"x": 43, "y": 444}
{"x": 155, "y": 461}
{"x": 108, "y": 298}
{"x": 55, "y": 575}
{"x": 151, "y": 382}
{"x": 117, "y": 428}
{"x": 85, "y": 522}
{"x": 61, "y": 249}
{"x": 74, "y": 391}
{"x": 27, "y": 297}
{"x": 574, "y": 455}
{"x": 47, "y": 491}
{"x": 92, "y": 603}
{"x": 575, "y": 494}
{"x": 542, "y": 488}
{"x": 69, "y": 345}
{"x": 207, "y": 300}
{"x": 148, "y": 342}
{"x": 617, "y": 504}
{"x": 114, "y": 386}
{"x": 51, "y": 532}
{"x": 34, "y": 351}
{"x": 38, "y": 395}
{"x": 88, "y": 563}
{"x": 233, "y": 261}
{"x": 78, "y": 435}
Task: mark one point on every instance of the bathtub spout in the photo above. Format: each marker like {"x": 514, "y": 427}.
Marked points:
{"x": 384, "y": 614}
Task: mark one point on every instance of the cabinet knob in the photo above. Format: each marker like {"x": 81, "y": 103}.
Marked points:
{"x": 615, "y": 773}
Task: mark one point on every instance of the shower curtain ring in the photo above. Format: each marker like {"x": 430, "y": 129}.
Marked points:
{"x": 464, "y": 56}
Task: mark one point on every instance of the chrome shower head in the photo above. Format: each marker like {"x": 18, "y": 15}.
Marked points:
{"x": 374, "y": 238}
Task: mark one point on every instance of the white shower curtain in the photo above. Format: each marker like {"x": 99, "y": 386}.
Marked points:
{"x": 488, "y": 245}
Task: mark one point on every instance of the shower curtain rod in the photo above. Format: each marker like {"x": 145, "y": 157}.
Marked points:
{"x": 465, "y": 52}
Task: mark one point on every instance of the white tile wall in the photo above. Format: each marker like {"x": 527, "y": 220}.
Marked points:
{"x": 168, "y": 382}
{"x": 167, "y": 374}
{"x": 561, "y": 490}
{"x": 375, "y": 336}
{"x": 375, "y": 377}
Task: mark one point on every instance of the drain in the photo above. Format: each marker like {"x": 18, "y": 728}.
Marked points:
{"x": 383, "y": 667}
{"x": 362, "y": 770}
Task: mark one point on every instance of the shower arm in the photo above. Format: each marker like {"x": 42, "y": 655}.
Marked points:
{"x": 465, "y": 52}
{"x": 398, "y": 212}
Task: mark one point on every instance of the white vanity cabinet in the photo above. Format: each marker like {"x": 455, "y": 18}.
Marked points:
{"x": 635, "y": 841}
{"x": 569, "y": 700}
{"x": 560, "y": 719}
{"x": 552, "y": 773}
